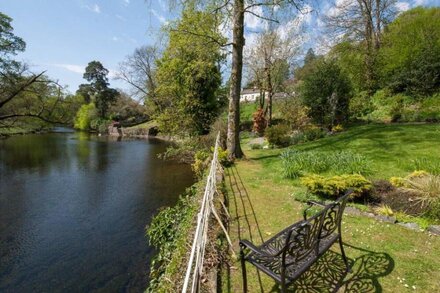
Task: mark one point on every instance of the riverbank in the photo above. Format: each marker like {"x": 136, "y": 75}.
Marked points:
{"x": 21, "y": 130}
{"x": 385, "y": 257}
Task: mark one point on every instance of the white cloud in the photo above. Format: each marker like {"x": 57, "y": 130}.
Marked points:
{"x": 115, "y": 39}
{"x": 95, "y": 8}
{"x": 72, "y": 67}
{"x": 402, "y": 6}
{"x": 120, "y": 17}
{"x": 159, "y": 17}
{"x": 420, "y": 2}
{"x": 126, "y": 2}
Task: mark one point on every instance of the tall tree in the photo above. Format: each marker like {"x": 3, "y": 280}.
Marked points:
{"x": 10, "y": 44}
{"x": 188, "y": 75}
{"x": 23, "y": 94}
{"x": 98, "y": 89}
{"x": 139, "y": 71}
{"x": 269, "y": 61}
{"x": 235, "y": 10}
{"x": 363, "y": 21}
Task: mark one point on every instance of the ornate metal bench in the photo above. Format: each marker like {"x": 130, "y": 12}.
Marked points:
{"x": 291, "y": 252}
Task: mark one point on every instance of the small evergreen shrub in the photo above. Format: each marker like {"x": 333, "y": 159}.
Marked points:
{"x": 278, "y": 135}
{"x": 397, "y": 181}
{"x": 337, "y": 128}
{"x": 332, "y": 187}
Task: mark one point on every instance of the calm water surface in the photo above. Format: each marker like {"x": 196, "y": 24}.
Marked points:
{"x": 73, "y": 208}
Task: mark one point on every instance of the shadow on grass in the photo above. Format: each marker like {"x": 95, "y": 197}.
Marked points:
{"x": 244, "y": 211}
{"x": 328, "y": 273}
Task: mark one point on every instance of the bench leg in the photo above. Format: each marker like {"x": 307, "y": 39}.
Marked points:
{"x": 343, "y": 254}
{"x": 243, "y": 270}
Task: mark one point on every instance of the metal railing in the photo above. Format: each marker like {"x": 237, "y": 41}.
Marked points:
{"x": 195, "y": 264}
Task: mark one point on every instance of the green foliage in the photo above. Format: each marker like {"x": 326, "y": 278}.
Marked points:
{"x": 84, "y": 117}
{"x": 397, "y": 181}
{"x": 304, "y": 196}
{"x": 278, "y": 135}
{"x": 350, "y": 56}
{"x": 360, "y": 105}
{"x": 10, "y": 44}
{"x": 326, "y": 91}
{"x": 294, "y": 113}
{"x": 387, "y": 107}
{"x": 314, "y": 133}
{"x": 98, "y": 90}
{"x": 410, "y": 53}
{"x": 431, "y": 166}
{"x": 256, "y": 146}
{"x": 298, "y": 163}
{"x": 100, "y": 124}
{"x": 168, "y": 233}
{"x": 331, "y": 187}
{"x": 189, "y": 77}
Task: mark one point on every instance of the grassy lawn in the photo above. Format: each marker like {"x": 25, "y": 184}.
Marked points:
{"x": 385, "y": 257}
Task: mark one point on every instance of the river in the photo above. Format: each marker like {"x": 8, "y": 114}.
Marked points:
{"x": 73, "y": 211}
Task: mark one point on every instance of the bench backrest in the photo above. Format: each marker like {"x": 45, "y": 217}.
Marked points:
{"x": 333, "y": 217}
{"x": 303, "y": 239}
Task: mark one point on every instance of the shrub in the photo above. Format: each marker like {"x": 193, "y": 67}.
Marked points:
{"x": 397, "y": 181}
{"x": 294, "y": 113}
{"x": 278, "y": 135}
{"x": 314, "y": 133}
{"x": 337, "y": 128}
{"x": 201, "y": 162}
{"x": 100, "y": 124}
{"x": 326, "y": 90}
{"x": 168, "y": 233}
{"x": 427, "y": 189}
{"x": 298, "y": 137}
{"x": 84, "y": 116}
{"x": 296, "y": 163}
{"x": 337, "y": 185}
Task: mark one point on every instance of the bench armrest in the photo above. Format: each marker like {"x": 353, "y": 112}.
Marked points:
{"x": 247, "y": 244}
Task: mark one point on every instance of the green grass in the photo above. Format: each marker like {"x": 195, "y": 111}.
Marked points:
{"x": 248, "y": 109}
{"x": 262, "y": 202}
{"x": 146, "y": 125}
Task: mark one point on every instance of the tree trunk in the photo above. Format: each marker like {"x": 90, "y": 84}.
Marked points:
{"x": 233, "y": 139}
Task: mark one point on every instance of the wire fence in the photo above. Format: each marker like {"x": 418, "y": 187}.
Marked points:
{"x": 194, "y": 268}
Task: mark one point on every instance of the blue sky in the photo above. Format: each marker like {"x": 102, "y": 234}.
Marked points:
{"x": 62, "y": 36}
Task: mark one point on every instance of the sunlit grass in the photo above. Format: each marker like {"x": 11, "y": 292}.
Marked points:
{"x": 262, "y": 202}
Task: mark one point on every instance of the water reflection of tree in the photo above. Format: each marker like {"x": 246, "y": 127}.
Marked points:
{"x": 33, "y": 152}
